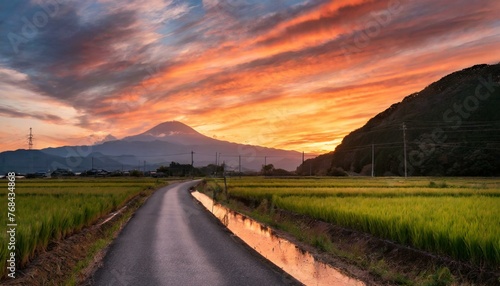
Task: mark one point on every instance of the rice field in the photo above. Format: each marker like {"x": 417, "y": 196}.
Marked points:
{"x": 49, "y": 210}
{"x": 457, "y": 217}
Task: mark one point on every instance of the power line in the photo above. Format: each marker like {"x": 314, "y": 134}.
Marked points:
{"x": 428, "y": 125}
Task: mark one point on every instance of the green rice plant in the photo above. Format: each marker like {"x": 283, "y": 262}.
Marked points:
{"x": 364, "y": 182}
{"x": 459, "y": 217}
{"x": 465, "y": 228}
{"x": 53, "y": 209}
{"x": 267, "y": 193}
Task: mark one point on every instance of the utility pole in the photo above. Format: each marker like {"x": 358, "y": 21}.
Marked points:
{"x": 404, "y": 140}
{"x": 192, "y": 164}
{"x": 225, "y": 183}
{"x": 218, "y": 163}
{"x": 373, "y": 160}
{"x": 30, "y": 140}
{"x": 216, "y": 159}
{"x": 303, "y": 157}
{"x": 239, "y": 164}
{"x": 265, "y": 161}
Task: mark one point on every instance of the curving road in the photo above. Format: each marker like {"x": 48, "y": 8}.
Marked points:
{"x": 171, "y": 240}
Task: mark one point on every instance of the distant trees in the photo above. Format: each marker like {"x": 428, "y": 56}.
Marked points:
{"x": 58, "y": 173}
{"x": 179, "y": 170}
{"x": 136, "y": 173}
{"x": 337, "y": 172}
{"x": 267, "y": 169}
{"x": 270, "y": 170}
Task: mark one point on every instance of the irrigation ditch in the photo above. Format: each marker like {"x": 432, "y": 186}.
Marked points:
{"x": 358, "y": 256}
{"x": 286, "y": 255}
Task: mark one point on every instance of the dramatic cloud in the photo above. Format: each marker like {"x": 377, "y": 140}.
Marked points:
{"x": 288, "y": 73}
{"x": 9, "y": 112}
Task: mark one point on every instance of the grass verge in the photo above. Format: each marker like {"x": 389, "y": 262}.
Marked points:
{"x": 72, "y": 261}
{"x": 83, "y": 270}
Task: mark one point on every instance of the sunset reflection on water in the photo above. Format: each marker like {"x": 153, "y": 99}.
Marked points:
{"x": 286, "y": 255}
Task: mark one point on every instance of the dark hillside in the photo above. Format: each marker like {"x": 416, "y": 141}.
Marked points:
{"x": 452, "y": 129}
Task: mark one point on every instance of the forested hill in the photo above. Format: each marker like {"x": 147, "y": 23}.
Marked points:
{"x": 452, "y": 128}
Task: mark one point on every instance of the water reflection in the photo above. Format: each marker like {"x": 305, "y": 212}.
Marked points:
{"x": 286, "y": 255}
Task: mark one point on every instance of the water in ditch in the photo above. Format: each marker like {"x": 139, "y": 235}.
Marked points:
{"x": 286, "y": 255}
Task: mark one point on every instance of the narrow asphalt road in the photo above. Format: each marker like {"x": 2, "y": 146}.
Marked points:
{"x": 171, "y": 240}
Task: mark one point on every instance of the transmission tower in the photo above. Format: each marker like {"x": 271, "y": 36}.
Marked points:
{"x": 30, "y": 139}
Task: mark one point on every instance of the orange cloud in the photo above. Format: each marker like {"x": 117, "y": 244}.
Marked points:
{"x": 300, "y": 79}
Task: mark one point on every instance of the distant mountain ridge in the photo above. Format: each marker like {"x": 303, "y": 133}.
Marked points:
{"x": 165, "y": 129}
{"x": 171, "y": 127}
{"x": 173, "y": 132}
{"x": 452, "y": 129}
{"x": 165, "y": 143}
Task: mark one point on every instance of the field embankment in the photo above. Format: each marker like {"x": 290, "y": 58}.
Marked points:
{"x": 450, "y": 223}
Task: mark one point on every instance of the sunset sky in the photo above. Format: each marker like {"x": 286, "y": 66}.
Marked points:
{"x": 291, "y": 74}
